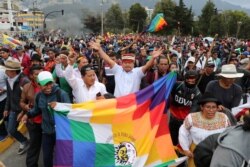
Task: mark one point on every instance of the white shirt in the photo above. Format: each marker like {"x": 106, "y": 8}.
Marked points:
{"x": 20, "y": 58}
{"x": 3, "y": 84}
{"x": 108, "y": 71}
{"x": 179, "y": 55}
{"x": 195, "y": 128}
{"x": 201, "y": 62}
{"x": 12, "y": 80}
{"x": 80, "y": 90}
{"x": 60, "y": 72}
{"x": 127, "y": 82}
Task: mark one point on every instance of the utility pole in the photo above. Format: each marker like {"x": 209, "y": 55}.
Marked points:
{"x": 10, "y": 14}
{"x": 179, "y": 30}
{"x": 238, "y": 28}
{"x": 33, "y": 25}
{"x": 102, "y": 17}
{"x": 44, "y": 23}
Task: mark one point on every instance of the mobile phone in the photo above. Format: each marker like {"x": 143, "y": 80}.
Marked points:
{"x": 98, "y": 94}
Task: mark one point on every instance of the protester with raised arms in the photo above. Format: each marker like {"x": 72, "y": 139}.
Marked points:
{"x": 127, "y": 78}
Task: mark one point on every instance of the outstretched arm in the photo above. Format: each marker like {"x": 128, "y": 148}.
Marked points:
{"x": 134, "y": 41}
{"x": 149, "y": 64}
{"x": 96, "y": 46}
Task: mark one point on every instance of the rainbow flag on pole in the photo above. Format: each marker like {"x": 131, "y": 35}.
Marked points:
{"x": 127, "y": 131}
{"x": 157, "y": 23}
{"x": 7, "y": 40}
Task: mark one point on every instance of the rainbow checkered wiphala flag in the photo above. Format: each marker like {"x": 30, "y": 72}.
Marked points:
{"x": 128, "y": 131}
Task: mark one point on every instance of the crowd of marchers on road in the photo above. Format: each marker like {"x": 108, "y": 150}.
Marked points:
{"x": 212, "y": 78}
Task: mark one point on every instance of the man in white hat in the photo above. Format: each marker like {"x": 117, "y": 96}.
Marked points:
{"x": 224, "y": 89}
{"x": 15, "y": 81}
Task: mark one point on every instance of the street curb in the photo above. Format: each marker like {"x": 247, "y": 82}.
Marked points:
{"x": 5, "y": 144}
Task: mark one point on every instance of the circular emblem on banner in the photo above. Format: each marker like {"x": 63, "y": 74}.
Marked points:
{"x": 125, "y": 154}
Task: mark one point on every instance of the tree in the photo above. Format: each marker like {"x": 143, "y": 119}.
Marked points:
{"x": 167, "y": 8}
{"x": 137, "y": 17}
{"x": 236, "y": 21}
{"x": 244, "y": 31}
{"x": 217, "y": 26}
{"x": 126, "y": 22}
{"x": 204, "y": 20}
{"x": 114, "y": 19}
{"x": 183, "y": 18}
{"x": 93, "y": 23}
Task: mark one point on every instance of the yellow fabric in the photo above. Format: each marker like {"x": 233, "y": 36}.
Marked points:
{"x": 191, "y": 160}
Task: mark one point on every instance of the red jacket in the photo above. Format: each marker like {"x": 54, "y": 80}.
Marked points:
{"x": 25, "y": 61}
{"x": 28, "y": 97}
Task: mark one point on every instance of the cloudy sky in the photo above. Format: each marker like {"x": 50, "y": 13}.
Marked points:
{"x": 242, "y": 3}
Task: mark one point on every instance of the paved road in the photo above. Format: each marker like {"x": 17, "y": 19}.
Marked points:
{"x": 11, "y": 159}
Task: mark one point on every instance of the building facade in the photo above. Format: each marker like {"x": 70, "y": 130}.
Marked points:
{"x": 14, "y": 19}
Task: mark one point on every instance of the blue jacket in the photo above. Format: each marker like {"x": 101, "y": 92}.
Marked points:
{"x": 41, "y": 107}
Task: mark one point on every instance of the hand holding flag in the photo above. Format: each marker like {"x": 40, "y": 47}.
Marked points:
{"x": 109, "y": 132}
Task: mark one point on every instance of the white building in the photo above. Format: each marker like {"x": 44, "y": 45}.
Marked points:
{"x": 149, "y": 12}
{"x": 8, "y": 9}
{"x": 13, "y": 19}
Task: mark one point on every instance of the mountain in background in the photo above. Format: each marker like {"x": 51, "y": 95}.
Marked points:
{"x": 74, "y": 10}
{"x": 197, "y": 5}
{"x": 242, "y": 3}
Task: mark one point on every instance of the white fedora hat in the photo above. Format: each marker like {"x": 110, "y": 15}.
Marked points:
{"x": 12, "y": 65}
{"x": 229, "y": 71}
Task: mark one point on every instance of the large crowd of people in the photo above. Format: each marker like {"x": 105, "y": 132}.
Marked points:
{"x": 212, "y": 78}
